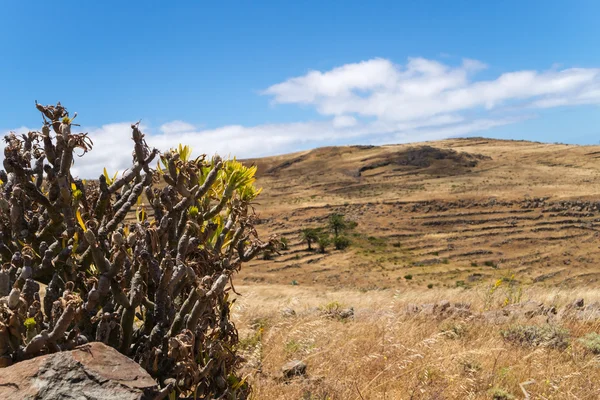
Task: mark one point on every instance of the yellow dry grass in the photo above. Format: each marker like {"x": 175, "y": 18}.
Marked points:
{"x": 385, "y": 354}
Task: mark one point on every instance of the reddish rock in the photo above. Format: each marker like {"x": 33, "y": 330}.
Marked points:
{"x": 93, "y": 371}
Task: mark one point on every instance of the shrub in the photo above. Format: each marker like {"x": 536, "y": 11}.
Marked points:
{"x": 501, "y": 394}
{"x": 332, "y": 306}
{"x": 454, "y": 330}
{"x": 267, "y": 255}
{"x": 430, "y": 286}
{"x": 283, "y": 243}
{"x": 532, "y": 335}
{"x": 323, "y": 241}
{"x": 341, "y": 242}
{"x": 169, "y": 264}
{"x": 591, "y": 342}
{"x": 408, "y": 277}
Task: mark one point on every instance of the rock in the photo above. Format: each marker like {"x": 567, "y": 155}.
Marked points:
{"x": 347, "y": 313}
{"x": 525, "y": 310}
{"x": 288, "y": 312}
{"x": 412, "y": 308}
{"x": 428, "y": 308}
{"x": 495, "y": 317}
{"x": 294, "y": 368}
{"x": 441, "y": 306}
{"x": 93, "y": 371}
{"x": 578, "y": 303}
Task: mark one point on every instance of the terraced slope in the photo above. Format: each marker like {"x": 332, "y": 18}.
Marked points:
{"x": 451, "y": 212}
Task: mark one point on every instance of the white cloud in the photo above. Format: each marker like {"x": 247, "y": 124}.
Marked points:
{"x": 425, "y": 88}
{"x": 176, "y": 127}
{"x": 373, "y": 101}
{"x": 343, "y": 121}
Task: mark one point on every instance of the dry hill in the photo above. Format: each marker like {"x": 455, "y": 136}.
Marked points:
{"x": 449, "y": 212}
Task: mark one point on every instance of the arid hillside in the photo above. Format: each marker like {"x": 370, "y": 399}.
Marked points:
{"x": 444, "y": 213}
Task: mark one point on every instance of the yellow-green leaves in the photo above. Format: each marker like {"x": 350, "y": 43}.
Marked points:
{"x": 77, "y": 194}
{"x": 184, "y": 152}
{"x": 80, "y": 220}
{"x": 158, "y": 167}
{"x": 75, "y": 242}
{"x": 141, "y": 214}
{"x": 240, "y": 178}
{"x": 193, "y": 212}
{"x": 109, "y": 180}
{"x": 92, "y": 270}
{"x": 249, "y": 193}
{"x": 29, "y": 323}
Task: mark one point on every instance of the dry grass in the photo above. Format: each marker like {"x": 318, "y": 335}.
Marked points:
{"x": 445, "y": 225}
{"x": 385, "y": 354}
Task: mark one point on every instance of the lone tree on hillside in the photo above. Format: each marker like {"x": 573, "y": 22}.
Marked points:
{"x": 310, "y": 235}
{"x": 155, "y": 285}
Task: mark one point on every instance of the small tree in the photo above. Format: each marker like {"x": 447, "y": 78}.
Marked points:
{"x": 310, "y": 235}
{"x": 337, "y": 223}
{"x": 323, "y": 241}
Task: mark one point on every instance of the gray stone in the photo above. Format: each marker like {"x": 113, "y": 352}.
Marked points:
{"x": 294, "y": 368}
{"x": 90, "y": 372}
{"x": 288, "y": 312}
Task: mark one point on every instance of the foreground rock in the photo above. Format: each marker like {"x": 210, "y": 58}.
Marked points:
{"x": 91, "y": 372}
{"x": 293, "y": 368}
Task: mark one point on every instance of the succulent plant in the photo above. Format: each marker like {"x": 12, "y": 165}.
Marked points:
{"x": 149, "y": 277}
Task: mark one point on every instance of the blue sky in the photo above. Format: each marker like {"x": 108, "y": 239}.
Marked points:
{"x": 256, "y": 78}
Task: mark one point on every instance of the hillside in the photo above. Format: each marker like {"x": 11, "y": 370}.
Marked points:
{"x": 449, "y": 212}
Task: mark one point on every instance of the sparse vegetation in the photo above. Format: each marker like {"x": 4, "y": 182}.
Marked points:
{"x": 501, "y": 394}
{"x": 341, "y": 242}
{"x": 533, "y": 335}
{"x": 591, "y": 342}
{"x": 284, "y": 243}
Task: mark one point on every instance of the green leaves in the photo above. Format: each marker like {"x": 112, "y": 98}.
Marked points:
{"x": 237, "y": 177}
{"x": 193, "y": 212}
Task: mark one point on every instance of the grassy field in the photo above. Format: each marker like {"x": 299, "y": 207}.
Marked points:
{"x": 385, "y": 353}
{"x": 492, "y": 224}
